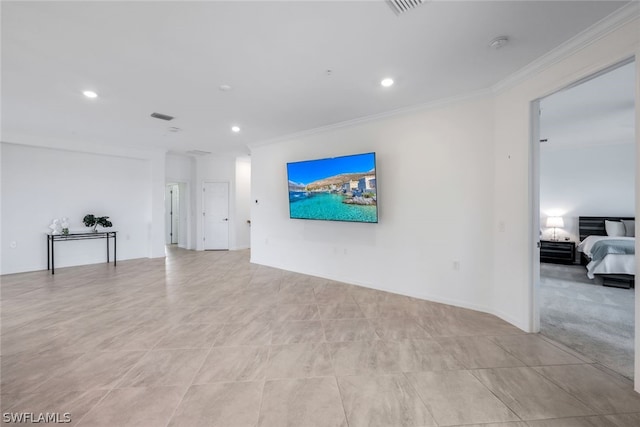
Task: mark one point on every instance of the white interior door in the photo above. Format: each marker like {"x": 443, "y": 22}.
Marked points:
{"x": 216, "y": 215}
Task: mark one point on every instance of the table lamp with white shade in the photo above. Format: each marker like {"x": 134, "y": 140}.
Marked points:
{"x": 555, "y": 222}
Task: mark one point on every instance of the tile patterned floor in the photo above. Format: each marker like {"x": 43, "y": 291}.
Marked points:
{"x": 207, "y": 339}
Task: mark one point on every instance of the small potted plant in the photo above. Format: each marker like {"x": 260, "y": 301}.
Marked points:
{"x": 91, "y": 220}
{"x": 64, "y": 223}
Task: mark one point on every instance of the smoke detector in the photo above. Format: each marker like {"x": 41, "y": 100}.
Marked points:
{"x": 498, "y": 42}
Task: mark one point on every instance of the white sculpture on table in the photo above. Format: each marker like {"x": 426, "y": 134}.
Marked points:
{"x": 56, "y": 227}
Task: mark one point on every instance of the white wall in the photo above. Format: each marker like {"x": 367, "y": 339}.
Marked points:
{"x": 184, "y": 236}
{"x": 434, "y": 178}
{"x": 40, "y": 184}
{"x": 586, "y": 181}
{"x": 178, "y": 168}
{"x": 2, "y": 242}
{"x": 243, "y": 203}
{"x": 155, "y": 236}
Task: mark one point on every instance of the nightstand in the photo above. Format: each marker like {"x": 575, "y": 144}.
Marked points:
{"x": 560, "y": 252}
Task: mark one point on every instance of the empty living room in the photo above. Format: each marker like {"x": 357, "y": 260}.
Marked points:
{"x": 296, "y": 213}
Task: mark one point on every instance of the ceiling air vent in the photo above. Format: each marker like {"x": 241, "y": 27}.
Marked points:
{"x": 198, "y": 152}
{"x": 401, "y": 6}
{"x": 161, "y": 116}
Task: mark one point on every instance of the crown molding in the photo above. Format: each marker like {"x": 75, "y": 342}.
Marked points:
{"x": 88, "y": 147}
{"x": 374, "y": 117}
{"x": 597, "y": 31}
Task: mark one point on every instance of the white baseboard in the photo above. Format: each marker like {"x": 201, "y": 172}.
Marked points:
{"x": 427, "y": 297}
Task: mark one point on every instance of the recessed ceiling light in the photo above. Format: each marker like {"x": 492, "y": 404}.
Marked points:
{"x": 224, "y": 88}
{"x": 90, "y": 94}
{"x": 236, "y": 129}
{"x": 498, "y": 42}
{"x": 386, "y": 82}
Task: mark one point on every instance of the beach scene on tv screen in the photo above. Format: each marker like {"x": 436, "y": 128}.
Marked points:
{"x": 336, "y": 189}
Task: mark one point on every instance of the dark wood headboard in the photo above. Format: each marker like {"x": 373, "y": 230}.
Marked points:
{"x": 594, "y": 225}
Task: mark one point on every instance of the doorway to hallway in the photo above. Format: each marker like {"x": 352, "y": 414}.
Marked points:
{"x": 172, "y": 214}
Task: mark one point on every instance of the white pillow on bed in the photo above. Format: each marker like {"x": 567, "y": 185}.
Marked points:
{"x": 629, "y": 227}
{"x": 614, "y": 228}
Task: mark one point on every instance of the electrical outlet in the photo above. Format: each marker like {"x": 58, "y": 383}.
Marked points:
{"x": 456, "y": 265}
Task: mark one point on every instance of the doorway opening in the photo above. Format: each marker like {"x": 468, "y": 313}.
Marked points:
{"x": 584, "y": 152}
{"x": 172, "y": 214}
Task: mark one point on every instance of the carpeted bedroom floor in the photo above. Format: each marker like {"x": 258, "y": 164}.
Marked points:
{"x": 594, "y": 320}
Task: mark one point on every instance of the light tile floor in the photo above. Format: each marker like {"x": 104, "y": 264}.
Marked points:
{"x": 208, "y": 339}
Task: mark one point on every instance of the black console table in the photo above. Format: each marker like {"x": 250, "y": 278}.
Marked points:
{"x": 53, "y": 238}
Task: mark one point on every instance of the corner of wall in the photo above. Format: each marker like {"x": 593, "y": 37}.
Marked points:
{"x": 156, "y": 229}
{"x": 1, "y": 207}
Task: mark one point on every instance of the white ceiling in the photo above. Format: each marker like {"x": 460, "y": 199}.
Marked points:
{"x": 171, "y": 57}
{"x": 599, "y": 111}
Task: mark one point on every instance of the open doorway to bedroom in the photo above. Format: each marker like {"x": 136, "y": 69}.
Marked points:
{"x": 587, "y": 152}
{"x": 172, "y": 213}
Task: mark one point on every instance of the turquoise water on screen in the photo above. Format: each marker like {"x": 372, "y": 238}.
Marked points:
{"x": 329, "y": 206}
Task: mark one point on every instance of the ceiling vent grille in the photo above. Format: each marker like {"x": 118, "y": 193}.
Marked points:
{"x": 162, "y": 116}
{"x": 401, "y": 6}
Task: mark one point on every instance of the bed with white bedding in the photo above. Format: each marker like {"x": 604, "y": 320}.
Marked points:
{"x": 607, "y": 245}
{"x": 609, "y": 255}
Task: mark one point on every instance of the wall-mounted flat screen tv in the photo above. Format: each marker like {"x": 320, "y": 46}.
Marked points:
{"x": 335, "y": 189}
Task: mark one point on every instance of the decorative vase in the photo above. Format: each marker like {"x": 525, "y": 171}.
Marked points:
{"x": 65, "y": 231}
{"x": 95, "y": 228}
